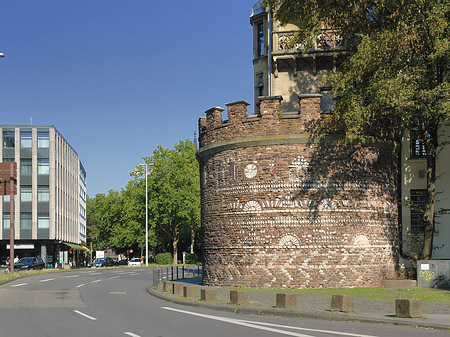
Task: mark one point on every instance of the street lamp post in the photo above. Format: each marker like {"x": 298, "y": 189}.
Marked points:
{"x": 146, "y": 212}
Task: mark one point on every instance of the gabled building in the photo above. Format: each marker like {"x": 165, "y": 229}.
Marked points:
{"x": 50, "y": 205}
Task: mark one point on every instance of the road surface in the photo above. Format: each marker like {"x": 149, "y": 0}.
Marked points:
{"x": 114, "y": 302}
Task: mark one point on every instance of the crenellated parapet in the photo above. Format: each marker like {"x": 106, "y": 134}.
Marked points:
{"x": 270, "y": 121}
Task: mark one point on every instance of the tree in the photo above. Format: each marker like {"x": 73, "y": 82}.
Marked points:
{"x": 397, "y": 76}
{"x": 105, "y": 211}
{"x": 174, "y": 193}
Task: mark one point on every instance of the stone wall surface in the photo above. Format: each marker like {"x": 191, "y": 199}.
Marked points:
{"x": 282, "y": 207}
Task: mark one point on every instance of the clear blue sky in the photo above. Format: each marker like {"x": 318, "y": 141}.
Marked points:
{"x": 119, "y": 77}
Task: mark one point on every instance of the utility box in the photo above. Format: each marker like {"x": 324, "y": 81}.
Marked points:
{"x": 433, "y": 274}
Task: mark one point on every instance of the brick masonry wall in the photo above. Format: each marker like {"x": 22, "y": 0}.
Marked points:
{"x": 281, "y": 209}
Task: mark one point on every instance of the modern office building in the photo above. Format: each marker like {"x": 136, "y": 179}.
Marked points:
{"x": 50, "y": 205}
{"x": 292, "y": 72}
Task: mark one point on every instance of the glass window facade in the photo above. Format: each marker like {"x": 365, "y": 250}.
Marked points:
{"x": 43, "y": 140}
{"x": 25, "y": 167}
{"x": 25, "y": 193}
{"x": 43, "y": 221}
{"x": 26, "y": 139}
{"x": 43, "y": 166}
{"x": 25, "y": 220}
{"x": 8, "y": 138}
{"x": 43, "y": 193}
{"x": 6, "y": 221}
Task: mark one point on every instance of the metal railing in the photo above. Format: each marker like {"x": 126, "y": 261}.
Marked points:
{"x": 175, "y": 273}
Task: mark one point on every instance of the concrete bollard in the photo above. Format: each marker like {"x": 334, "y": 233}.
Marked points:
{"x": 190, "y": 291}
{"x": 408, "y": 308}
{"x": 208, "y": 295}
{"x": 342, "y": 303}
{"x": 168, "y": 286}
{"x": 177, "y": 288}
{"x": 238, "y": 296}
{"x": 286, "y": 301}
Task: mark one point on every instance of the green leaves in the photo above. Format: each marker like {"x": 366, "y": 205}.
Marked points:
{"x": 173, "y": 198}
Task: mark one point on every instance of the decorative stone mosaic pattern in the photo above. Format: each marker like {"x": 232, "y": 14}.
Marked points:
{"x": 303, "y": 214}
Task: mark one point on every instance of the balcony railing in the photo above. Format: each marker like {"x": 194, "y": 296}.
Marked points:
{"x": 328, "y": 39}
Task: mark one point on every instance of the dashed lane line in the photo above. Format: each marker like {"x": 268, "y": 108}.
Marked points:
{"x": 80, "y": 285}
{"x": 131, "y": 334}
{"x": 47, "y": 280}
{"x": 18, "y": 285}
{"x": 85, "y": 315}
{"x": 95, "y": 281}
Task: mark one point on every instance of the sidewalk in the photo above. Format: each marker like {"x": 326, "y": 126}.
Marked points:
{"x": 435, "y": 314}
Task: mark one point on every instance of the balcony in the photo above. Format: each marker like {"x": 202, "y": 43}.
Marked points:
{"x": 327, "y": 41}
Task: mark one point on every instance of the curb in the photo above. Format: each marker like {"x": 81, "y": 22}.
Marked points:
{"x": 295, "y": 314}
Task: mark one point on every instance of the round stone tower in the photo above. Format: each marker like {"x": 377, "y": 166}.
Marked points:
{"x": 286, "y": 206}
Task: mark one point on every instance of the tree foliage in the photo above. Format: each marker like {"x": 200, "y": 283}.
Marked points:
{"x": 175, "y": 192}
{"x": 397, "y": 75}
{"x": 118, "y": 217}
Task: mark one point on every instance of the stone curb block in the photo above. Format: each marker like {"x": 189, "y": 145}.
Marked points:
{"x": 298, "y": 314}
{"x": 408, "y": 308}
{"x": 286, "y": 300}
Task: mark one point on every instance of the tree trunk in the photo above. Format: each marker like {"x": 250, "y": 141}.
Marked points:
{"x": 431, "y": 145}
{"x": 192, "y": 239}
{"x": 175, "y": 250}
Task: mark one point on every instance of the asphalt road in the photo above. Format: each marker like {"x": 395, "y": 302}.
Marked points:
{"x": 114, "y": 302}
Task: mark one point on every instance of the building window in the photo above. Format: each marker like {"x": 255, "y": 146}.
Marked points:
{"x": 25, "y": 167}
{"x": 25, "y": 220}
{"x": 6, "y": 221}
{"x": 43, "y": 166}
{"x": 25, "y": 193}
{"x": 43, "y": 140}
{"x": 7, "y": 198}
{"x": 417, "y": 145}
{"x": 43, "y": 193}
{"x": 8, "y": 160}
{"x": 418, "y": 202}
{"x": 8, "y": 138}
{"x": 260, "y": 39}
{"x": 43, "y": 221}
{"x": 326, "y": 101}
{"x": 25, "y": 139}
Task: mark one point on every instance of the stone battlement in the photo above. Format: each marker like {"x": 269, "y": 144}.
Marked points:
{"x": 270, "y": 121}
{"x": 282, "y": 208}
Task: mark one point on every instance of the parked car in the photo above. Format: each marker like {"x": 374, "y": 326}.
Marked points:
{"x": 135, "y": 262}
{"x": 103, "y": 262}
{"x": 28, "y": 263}
{"x": 123, "y": 262}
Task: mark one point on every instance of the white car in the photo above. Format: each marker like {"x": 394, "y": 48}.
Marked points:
{"x": 135, "y": 262}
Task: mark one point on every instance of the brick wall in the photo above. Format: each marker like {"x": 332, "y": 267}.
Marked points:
{"x": 281, "y": 208}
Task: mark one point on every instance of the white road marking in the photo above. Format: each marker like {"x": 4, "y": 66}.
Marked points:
{"x": 96, "y": 273}
{"x": 112, "y": 278}
{"x": 84, "y": 315}
{"x": 80, "y": 285}
{"x": 131, "y": 334}
{"x": 70, "y": 276}
{"x": 96, "y": 281}
{"x": 117, "y": 293}
{"x": 19, "y": 285}
{"x": 47, "y": 280}
{"x": 268, "y": 326}
{"x": 313, "y": 330}
{"x": 132, "y": 274}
